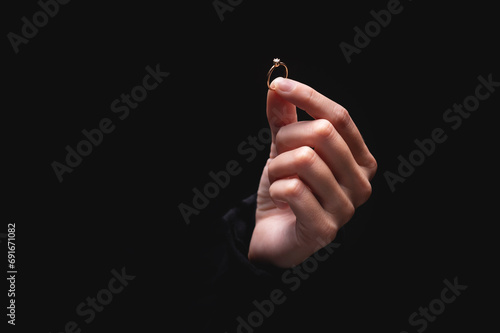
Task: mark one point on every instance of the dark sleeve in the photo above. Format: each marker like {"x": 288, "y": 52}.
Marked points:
{"x": 240, "y": 222}
{"x": 227, "y": 282}
{"x": 222, "y": 282}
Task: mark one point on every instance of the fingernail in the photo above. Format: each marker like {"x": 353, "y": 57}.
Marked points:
{"x": 283, "y": 84}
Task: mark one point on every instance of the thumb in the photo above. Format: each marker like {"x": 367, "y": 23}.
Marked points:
{"x": 279, "y": 113}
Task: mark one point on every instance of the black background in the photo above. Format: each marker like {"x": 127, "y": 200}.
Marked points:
{"x": 119, "y": 207}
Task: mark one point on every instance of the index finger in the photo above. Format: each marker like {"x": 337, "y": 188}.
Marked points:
{"x": 321, "y": 107}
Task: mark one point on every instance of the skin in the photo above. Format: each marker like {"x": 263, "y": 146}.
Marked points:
{"x": 317, "y": 174}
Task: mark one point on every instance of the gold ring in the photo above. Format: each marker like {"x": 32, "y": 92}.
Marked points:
{"x": 277, "y": 63}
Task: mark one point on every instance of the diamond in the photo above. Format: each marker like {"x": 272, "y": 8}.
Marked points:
{"x": 276, "y": 61}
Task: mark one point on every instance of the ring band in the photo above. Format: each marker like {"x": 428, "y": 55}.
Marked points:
{"x": 277, "y": 63}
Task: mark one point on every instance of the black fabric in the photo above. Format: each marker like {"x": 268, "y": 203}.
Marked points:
{"x": 231, "y": 282}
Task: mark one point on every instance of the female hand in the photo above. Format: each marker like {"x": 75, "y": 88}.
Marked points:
{"x": 317, "y": 173}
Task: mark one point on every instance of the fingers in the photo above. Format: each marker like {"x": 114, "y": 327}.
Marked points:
{"x": 330, "y": 147}
{"x": 279, "y": 113}
{"x": 321, "y": 107}
{"x": 313, "y": 172}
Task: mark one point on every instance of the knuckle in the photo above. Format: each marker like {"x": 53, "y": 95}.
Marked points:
{"x": 294, "y": 188}
{"x": 364, "y": 191}
{"x": 331, "y": 230}
{"x": 304, "y": 157}
{"x": 342, "y": 214}
{"x": 322, "y": 128}
{"x": 372, "y": 165}
{"x": 342, "y": 117}
{"x": 349, "y": 210}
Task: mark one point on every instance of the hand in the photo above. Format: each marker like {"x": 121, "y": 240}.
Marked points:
{"x": 317, "y": 173}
